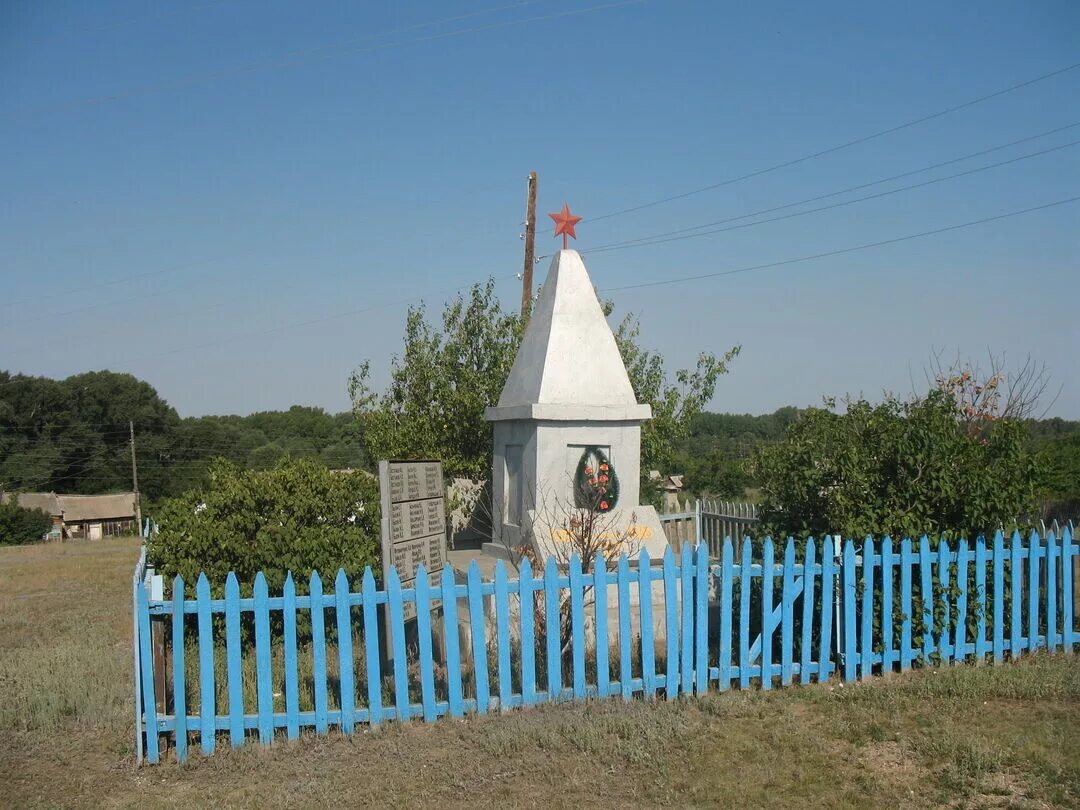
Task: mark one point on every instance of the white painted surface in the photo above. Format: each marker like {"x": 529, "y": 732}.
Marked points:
{"x": 568, "y": 389}
{"x": 568, "y": 354}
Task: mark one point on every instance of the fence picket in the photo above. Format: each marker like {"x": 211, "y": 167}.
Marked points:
{"x": 234, "y": 679}
{"x": 502, "y": 634}
{"x": 981, "y": 600}
{"x": 999, "y": 597}
{"x": 146, "y": 658}
{"x": 767, "y": 564}
{"x": 787, "y": 615}
{"x": 264, "y": 694}
{"x": 552, "y": 630}
{"x": 1068, "y": 583}
{"x": 645, "y": 619}
{"x": 926, "y": 594}
{"x": 318, "y": 651}
{"x": 396, "y": 632}
{"x": 623, "y": 578}
{"x": 960, "y": 642}
{"x": 671, "y": 627}
{"x": 577, "y": 625}
{"x": 1051, "y": 592}
{"x": 292, "y": 683}
{"x": 888, "y": 651}
{"x": 906, "y": 653}
{"x": 866, "y": 637}
{"x": 828, "y": 574}
{"x": 805, "y": 652}
{"x": 600, "y": 605}
{"x": 701, "y": 619}
{"x": 1015, "y": 640}
{"x": 346, "y": 678}
{"x": 850, "y": 628}
{"x": 207, "y": 697}
{"x": 725, "y": 614}
{"x": 452, "y": 642}
{"x": 528, "y": 642}
{"x": 479, "y": 638}
{"x": 945, "y": 638}
{"x": 372, "y": 648}
{"x": 744, "y": 614}
{"x": 179, "y": 682}
{"x": 686, "y": 604}
{"x": 1034, "y": 556}
{"x": 422, "y": 589}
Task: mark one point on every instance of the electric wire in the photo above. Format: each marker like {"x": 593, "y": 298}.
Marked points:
{"x": 841, "y": 251}
{"x": 660, "y": 239}
{"x": 847, "y": 190}
{"x": 838, "y": 147}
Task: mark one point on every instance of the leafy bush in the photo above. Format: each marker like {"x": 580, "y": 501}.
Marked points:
{"x": 298, "y": 517}
{"x": 19, "y": 526}
{"x": 900, "y": 468}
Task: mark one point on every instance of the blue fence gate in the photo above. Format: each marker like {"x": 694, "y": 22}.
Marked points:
{"x": 242, "y": 662}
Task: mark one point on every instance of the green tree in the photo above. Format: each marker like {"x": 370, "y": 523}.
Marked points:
{"x": 19, "y": 525}
{"x": 900, "y": 468}
{"x": 439, "y": 387}
{"x": 298, "y": 517}
{"x": 674, "y": 404}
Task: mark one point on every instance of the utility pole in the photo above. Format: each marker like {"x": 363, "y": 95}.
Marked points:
{"x": 530, "y": 246}
{"x": 135, "y": 477}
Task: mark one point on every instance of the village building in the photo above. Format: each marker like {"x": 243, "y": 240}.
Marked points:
{"x": 82, "y": 516}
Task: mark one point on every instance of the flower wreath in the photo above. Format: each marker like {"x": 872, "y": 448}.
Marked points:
{"x": 596, "y": 486}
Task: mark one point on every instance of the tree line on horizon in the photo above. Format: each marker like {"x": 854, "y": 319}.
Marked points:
{"x": 72, "y": 436}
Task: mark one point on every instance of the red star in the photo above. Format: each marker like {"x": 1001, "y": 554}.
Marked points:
{"x": 564, "y": 223}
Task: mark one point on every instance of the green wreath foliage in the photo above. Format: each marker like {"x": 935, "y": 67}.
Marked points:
{"x": 596, "y": 486}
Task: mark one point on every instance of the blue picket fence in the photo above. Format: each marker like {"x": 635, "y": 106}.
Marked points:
{"x": 687, "y": 625}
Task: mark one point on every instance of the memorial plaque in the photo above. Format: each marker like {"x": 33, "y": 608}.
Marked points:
{"x": 413, "y": 519}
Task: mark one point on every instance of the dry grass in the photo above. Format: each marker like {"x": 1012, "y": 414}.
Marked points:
{"x": 963, "y": 737}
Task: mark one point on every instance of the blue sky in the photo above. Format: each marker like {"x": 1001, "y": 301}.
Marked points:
{"x": 233, "y": 199}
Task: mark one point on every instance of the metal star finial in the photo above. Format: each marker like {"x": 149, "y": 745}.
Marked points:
{"x": 564, "y": 223}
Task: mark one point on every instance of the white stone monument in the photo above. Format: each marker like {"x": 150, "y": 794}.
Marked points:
{"x": 568, "y": 407}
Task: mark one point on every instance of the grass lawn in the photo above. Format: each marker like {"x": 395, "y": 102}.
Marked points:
{"x": 1005, "y": 736}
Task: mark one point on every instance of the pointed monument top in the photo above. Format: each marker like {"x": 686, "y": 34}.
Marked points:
{"x": 568, "y": 366}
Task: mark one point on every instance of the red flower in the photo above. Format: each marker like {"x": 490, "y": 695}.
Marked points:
{"x": 603, "y": 505}
{"x": 588, "y": 470}
{"x": 603, "y": 466}
{"x": 603, "y": 478}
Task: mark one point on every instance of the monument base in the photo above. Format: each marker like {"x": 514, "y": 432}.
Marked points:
{"x": 628, "y": 531}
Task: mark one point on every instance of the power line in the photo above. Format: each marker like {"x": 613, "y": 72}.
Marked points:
{"x": 841, "y": 251}
{"x": 660, "y": 239}
{"x": 110, "y": 283}
{"x": 847, "y": 190}
{"x": 332, "y": 52}
{"x": 846, "y": 145}
{"x": 129, "y": 21}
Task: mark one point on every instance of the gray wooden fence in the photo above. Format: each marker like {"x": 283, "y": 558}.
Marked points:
{"x": 709, "y": 520}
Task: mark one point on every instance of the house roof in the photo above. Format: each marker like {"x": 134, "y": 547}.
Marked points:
{"x": 45, "y": 501}
{"x": 98, "y": 507}
{"x": 118, "y": 506}
{"x": 568, "y": 365}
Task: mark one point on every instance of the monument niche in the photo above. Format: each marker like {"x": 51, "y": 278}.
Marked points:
{"x": 567, "y": 431}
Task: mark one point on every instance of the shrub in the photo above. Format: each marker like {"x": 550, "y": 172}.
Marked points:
{"x": 899, "y": 468}
{"x": 298, "y": 517}
{"x": 19, "y": 526}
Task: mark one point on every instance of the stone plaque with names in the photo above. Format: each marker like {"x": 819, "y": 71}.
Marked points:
{"x": 413, "y": 518}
